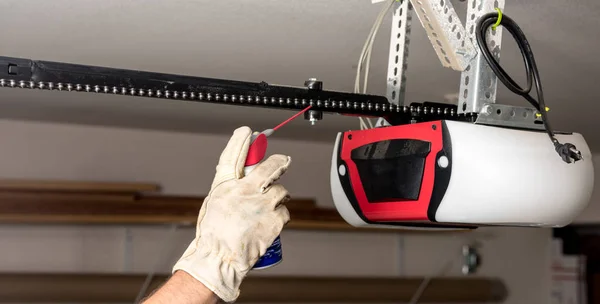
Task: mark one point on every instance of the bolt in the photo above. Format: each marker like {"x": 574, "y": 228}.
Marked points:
{"x": 313, "y": 116}
{"x": 313, "y": 84}
{"x": 487, "y": 110}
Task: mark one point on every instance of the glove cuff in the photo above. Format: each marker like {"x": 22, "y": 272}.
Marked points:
{"x": 221, "y": 278}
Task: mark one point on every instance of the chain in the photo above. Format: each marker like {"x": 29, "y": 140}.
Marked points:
{"x": 367, "y": 108}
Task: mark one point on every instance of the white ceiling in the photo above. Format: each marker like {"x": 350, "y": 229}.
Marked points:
{"x": 281, "y": 42}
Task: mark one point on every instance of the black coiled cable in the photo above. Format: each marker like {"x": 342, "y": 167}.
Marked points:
{"x": 568, "y": 152}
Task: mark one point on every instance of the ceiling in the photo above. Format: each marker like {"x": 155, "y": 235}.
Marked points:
{"x": 281, "y": 42}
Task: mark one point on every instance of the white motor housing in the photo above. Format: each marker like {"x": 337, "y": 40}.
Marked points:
{"x": 449, "y": 174}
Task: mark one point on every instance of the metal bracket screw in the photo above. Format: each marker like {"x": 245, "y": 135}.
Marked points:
{"x": 312, "y": 115}
{"x": 313, "y": 84}
{"x": 487, "y": 110}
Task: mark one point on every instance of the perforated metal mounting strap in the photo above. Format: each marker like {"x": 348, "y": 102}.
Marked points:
{"x": 398, "y": 54}
{"x": 478, "y": 82}
{"x": 446, "y": 33}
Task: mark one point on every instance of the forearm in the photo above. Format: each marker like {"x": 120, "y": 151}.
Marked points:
{"x": 182, "y": 288}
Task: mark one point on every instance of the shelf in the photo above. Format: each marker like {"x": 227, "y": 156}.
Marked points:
{"x": 76, "y": 187}
{"x": 65, "y": 202}
{"x": 72, "y": 202}
{"x": 113, "y": 288}
{"x": 88, "y": 208}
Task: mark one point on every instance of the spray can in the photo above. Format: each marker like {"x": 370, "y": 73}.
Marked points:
{"x": 256, "y": 153}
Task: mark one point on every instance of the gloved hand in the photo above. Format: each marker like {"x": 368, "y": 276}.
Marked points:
{"x": 238, "y": 221}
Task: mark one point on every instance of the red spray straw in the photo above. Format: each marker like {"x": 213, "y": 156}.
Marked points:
{"x": 291, "y": 118}
{"x": 258, "y": 147}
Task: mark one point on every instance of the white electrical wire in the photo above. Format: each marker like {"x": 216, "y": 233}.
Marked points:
{"x": 363, "y": 126}
{"x": 167, "y": 246}
{"x": 365, "y": 57}
{"x": 368, "y": 44}
{"x": 370, "y": 48}
{"x": 366, "y": 50}
{"x": 375, "y": 30}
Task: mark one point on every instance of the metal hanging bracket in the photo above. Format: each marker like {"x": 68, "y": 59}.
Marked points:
{"x": 398, "y": 53}
{"x": 455, "y": 46}
{"x": 509, "y": 116}
{"x": 446, "y": 33}
{"x": 478, "y": 82}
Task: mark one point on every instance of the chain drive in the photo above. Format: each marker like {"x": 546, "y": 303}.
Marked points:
{"x": 331, "y": 105}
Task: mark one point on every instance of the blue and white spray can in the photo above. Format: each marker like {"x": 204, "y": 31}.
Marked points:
{"x": 256, "y": 153}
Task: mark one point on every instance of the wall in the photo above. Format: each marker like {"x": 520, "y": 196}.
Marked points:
{"x": 184, "y": 164}
{"x": 592, "y": 213}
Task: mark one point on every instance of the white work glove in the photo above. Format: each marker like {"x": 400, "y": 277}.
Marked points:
{"x": 239, "y": 219}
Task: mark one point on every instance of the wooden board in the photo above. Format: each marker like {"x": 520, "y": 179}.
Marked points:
{"x": 75, "y": 186}
{"x": 85, "y": 208}
{"x": 113, "y": 288}
{"x": 58, "y": 202}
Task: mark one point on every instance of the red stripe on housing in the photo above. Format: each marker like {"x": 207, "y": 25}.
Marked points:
{"x": 392, "y": 211}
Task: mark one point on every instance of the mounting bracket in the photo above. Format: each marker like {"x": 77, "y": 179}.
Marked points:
{"x": 509, "y": 116}
{"x": 455, "y": 46}
{"x": 398, "y": 54}
{"x": 478, "y": 81}
{"x": 446, "y": 33}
